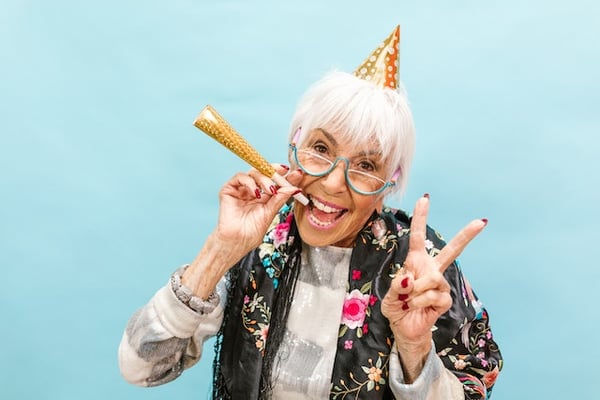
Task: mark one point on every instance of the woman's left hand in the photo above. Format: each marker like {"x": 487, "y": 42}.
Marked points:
{"x": 419, "y": 293}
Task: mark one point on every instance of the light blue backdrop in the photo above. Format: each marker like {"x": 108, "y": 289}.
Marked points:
{"x": 106, "y": 187}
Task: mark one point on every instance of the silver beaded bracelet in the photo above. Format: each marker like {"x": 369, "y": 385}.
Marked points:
{"x": 186, "y": 296}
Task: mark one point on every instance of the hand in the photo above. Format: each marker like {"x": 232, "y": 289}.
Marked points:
{"x": 248, "y": 204}
{"x": 419, "y": 293}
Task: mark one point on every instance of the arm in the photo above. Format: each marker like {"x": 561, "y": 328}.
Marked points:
{"x": 165, "y": 337}
{"x": 417, "y": 305}
{"x": 434, "y": 381}
{"x": 466, "y": 367}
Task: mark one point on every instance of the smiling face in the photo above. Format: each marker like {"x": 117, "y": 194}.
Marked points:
{"x": 336, "y": 213}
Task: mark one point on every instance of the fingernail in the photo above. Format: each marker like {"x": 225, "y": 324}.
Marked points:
{"x": 299, "y": 171}
{"x": 257, "y": 193}
{"x": 426, "y": 195}
{"x": 404, "y": 306}
{"x": 285, "y": 167}
{"x": 485, "y": 221}
{"x": 404, "y": 282}
{"x": 273, "y": 189}
{"x": 296, "y": 192}
{"x": 402, "y": 297}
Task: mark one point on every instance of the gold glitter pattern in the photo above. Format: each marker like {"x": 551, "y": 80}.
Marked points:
{"x": 382, "y": 67}
{"x": 211, "y": 123}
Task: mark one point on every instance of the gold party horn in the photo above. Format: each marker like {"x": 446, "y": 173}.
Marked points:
{"x": 210, "y": 122}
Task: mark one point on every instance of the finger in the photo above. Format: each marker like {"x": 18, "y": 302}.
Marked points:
{"x": 265, "y": 184}
{"x": 242, "y": 186}
{"x": 431, "y": 281}
{"x": 294, "y": 177}
{"x": 418, "y": 224}
{"x": 458, "y": 243}
{"x": 281, "y": 169}
{"x": 438, "y": 300}
{"x": 276, "y": 201}
{"x": 394, "y": 305}
{"x": 402, "y": 283}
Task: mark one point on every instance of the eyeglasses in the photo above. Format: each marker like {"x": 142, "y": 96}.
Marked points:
{"x": 315, "y": 164}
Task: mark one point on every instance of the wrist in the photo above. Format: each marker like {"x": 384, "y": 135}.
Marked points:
{"x": 208, "y": 267}
{"x": 413, "y": 355}
{"x": 187, "y": 297}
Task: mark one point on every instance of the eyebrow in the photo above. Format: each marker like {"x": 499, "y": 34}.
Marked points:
{"x": 330, "y": 137}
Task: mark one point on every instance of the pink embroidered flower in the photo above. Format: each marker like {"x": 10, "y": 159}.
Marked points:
{"x": 354, "y": 310}
{"x": 372, "y": 300}
{"x": 481, "y": 343}
{"x": 264, "y": 332}
{"x": 365, "y": 329}
{"x": 356, "y": 274}
{"x": 280, "y": 233}
{"x": 348, "y": 344}
{"x": 428, "y": 244}
{"x": 246, "y": 299}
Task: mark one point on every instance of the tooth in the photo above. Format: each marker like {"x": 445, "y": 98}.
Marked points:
{"x": 324, "y": 207}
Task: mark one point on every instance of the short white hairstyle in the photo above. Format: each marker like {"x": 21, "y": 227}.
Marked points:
{"x": 360, "y": 113}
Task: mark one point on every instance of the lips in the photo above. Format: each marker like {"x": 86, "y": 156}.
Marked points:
{"x": 323, "y": 214}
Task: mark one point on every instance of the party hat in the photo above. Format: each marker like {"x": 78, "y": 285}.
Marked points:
{"x": 382, "y": 67}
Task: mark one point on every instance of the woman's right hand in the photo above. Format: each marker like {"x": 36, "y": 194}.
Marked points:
{"x": 248, "y": 202}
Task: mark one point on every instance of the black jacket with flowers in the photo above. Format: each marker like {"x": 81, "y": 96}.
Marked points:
{"x": 462, "y": 336}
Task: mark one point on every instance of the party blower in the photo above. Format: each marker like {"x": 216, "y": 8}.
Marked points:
{"x": 215, "y": 126}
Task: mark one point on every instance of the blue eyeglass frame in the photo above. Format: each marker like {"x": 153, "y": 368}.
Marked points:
{"x": 386, "y": 185}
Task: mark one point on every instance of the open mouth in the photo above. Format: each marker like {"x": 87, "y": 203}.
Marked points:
{"x": 322, "y": 214}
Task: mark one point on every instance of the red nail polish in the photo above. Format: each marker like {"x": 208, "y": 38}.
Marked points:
{"x": 402, "y": 297}
{"x": 426, "y": 195}
{"x": 296, "y": 192}
{"x": 285, "y": 167}
{"x": 257, "y": 193}
{"x": 404, "y": 282}
{"x": 485, "y": 220}
{"x": 405, "y": 306}
{"x": 273, "y": 189}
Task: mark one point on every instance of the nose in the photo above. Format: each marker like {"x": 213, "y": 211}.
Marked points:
{"x": 335, "y": 181}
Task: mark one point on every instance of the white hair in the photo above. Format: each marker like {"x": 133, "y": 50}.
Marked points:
{"x": 360, "y": 113}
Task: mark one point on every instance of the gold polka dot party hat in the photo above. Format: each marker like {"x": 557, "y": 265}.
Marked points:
{"x": 382, "y": 67}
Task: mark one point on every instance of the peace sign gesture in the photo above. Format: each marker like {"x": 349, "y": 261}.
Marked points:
{"x": 419, "y": 294}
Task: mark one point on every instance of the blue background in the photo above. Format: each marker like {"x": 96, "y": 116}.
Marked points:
{"x": 106, "y": 187}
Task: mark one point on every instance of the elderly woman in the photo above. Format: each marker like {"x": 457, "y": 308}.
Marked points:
{"x": 341, "y": 298}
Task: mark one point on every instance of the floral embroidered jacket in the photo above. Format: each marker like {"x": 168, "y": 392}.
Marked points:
{"x": 462, "y": 336}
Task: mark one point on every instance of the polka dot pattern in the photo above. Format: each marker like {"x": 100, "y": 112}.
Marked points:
{"x": 382, "y": 67}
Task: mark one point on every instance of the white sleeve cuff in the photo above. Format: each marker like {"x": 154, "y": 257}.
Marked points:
{"x": 434, "y": 381}
{"x": 176, "y": 317}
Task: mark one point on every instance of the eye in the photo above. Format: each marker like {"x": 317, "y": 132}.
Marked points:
{"x": 366, "y": 166}
{"x": 321, "y": 148}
